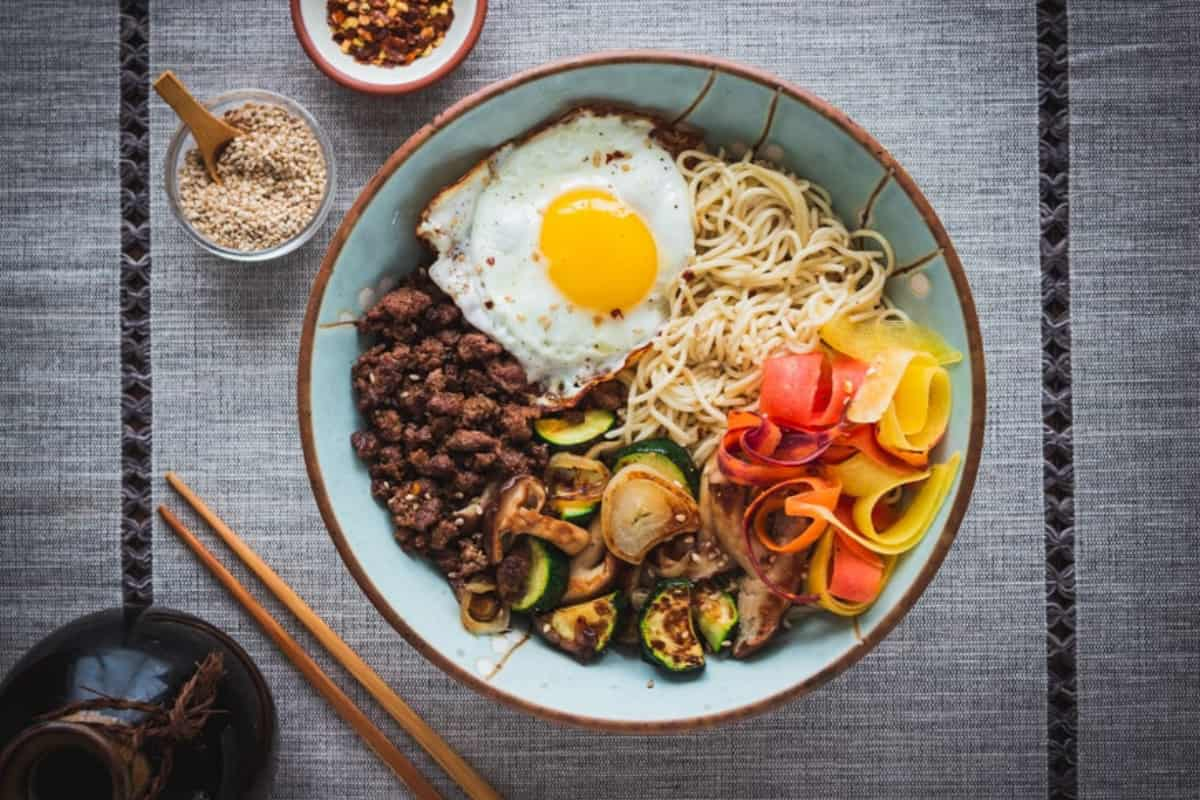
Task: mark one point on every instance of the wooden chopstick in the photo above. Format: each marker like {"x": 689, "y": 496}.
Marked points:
{"x": 343, "y": 705}
{"x": 463, "y": 773}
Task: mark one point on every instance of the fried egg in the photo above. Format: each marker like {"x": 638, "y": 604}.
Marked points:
{"x": 563, "y": 246}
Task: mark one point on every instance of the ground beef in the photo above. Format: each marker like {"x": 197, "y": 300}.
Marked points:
{"x": 469, "y": 483}
{"x": 365, "y": 444}
{"x": 511, "y": 575}
{"x": 514, "y": 423}
{"x": 445, "y": 404}
{"x": 443, "y": 315}
{"x": 515, "y": 462}
{"x": 448, "y": 413}
{"x": 477, "y": 409}
{"x": 608, "y": 395}
{"x": 471, "y": 442}
{"x": 507, "y": 374}
{"x": 475, "y": 347}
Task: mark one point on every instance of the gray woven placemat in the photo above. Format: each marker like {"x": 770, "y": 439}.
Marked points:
{"x": 1135, "y": 133}
{"x": 952, "y": 704}
{"x": 59, "y": 359}
{"x": 60, "y": 472}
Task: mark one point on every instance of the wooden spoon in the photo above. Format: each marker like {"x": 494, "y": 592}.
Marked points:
{"x": 210, "y": 131}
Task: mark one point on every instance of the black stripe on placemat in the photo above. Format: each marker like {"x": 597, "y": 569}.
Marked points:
{"x": 135, "y": 303}
{"x": 1057, "y": 437}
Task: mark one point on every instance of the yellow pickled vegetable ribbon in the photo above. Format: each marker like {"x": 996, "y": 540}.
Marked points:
{"x": 868, "y": 482}
{"x": 818, "y": 578}
{"x": 866, "y": 339}
{"x": 881, "y": 382}
{"x": 917, "y": 417}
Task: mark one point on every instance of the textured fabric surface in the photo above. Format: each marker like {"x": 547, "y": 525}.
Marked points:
{"x": 950, "y": 705}
{"x": 60, "y": 499}
{"x": 1135, "y": 167}
{"x": 1054, "y": 150}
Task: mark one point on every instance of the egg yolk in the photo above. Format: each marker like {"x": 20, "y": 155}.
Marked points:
{"x": 600, "y": 254}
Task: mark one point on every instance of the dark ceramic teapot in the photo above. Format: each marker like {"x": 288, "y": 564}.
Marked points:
{"x": 94, "y": 712}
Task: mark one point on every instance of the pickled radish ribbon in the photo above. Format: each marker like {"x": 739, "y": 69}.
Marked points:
{"x": 809, "y": 390}
{"x": 866, "y": 339}
{"x": 868, "y": 482}
{"x": 790, "y": 498}
{"x": 755, "y": 451}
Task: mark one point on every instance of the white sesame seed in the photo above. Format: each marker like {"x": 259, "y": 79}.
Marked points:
{"x": 273, "y": 179}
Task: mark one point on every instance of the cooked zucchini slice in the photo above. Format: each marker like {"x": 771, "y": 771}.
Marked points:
{"x": 574, "y": 428}
{"x": 668, "y": 639}
{"x": 665, "y": 456}
{"x": 583, "y": 630}
{"x": 577, "y": 511}
{"x": 715, "y": 614}
{"x": 545, "y": 578}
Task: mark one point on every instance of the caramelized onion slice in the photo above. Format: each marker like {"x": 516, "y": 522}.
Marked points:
{"x": 572, "y": 477}
{"x": 642, "y": 508}
{"x": 480, "y": 608}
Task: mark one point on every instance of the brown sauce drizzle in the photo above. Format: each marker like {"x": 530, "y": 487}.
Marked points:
{"x": 504, "y": 658}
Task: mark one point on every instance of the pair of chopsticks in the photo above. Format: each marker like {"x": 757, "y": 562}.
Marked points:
{"x": 471, "y": 782}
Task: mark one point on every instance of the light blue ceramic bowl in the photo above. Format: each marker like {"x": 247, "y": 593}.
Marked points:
{"x": 735, "y": 107}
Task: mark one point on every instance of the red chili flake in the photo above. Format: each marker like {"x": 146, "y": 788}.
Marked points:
{"x": 616, "y": 314}
{"x": 491, "y": 262}
{"x": 688, "y": 274}
{"x": 488, "y": 304}
{"x": 614, "y": 155}
{"x": 388, "y": 33}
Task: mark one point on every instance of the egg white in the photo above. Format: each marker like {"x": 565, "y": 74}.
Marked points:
{"x": 486, "y": 230}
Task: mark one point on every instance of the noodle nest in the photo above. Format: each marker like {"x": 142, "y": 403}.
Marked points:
{"x": 773, "y": 264}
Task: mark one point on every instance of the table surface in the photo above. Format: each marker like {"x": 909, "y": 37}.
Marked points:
{"x": 1057, "y": 653}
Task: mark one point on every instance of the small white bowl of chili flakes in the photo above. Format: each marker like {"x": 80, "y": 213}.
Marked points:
{"x": 387, "y": 46}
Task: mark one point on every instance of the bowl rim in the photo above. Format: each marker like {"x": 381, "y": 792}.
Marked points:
{"x": 974, "y": 345}
{"x": 326, "y": 66}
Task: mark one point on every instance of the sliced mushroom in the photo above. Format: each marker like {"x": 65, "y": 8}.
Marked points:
{"x": 760, "y": 614}
{"x": 636, "y": 584}
{"x": 695, "y": 557}
{"x": 518, "y": 511}
{"x": 642, "y": 508}
{"x": 722, "y": 508}
{"x": 593, "y": 569}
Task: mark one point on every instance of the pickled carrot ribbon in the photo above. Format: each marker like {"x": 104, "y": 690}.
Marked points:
{"x": 792, "y": 498}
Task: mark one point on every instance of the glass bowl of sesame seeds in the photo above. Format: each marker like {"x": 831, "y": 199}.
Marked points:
{"x": 277, "y": 180}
